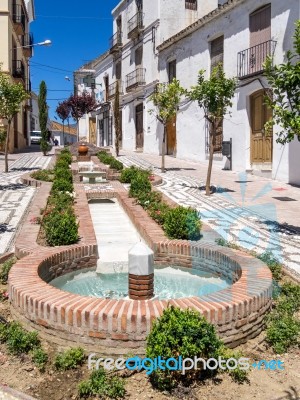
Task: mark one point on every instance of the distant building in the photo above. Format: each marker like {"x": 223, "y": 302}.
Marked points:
{"x": 15, "y": 17}
{"x": 68, "y": 137}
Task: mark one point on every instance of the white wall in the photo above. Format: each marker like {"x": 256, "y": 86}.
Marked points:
{"x": 192, "y": 54}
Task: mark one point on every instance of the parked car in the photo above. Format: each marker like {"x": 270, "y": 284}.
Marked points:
{"x": 35, "y": 137}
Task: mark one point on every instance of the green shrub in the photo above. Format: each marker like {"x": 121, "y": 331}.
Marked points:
{"x": 61, "y": 227}
{"x": 70, "y": 359}
{"x": 180, "y": 332}
{"x": 61, "y": 163}
{"x": 104, "y": 157}
{"x": 273, "y": 263}
{"x": 238, "y": 375}
{"x": 65, "y": 155}
{"x": 182, "y": 223}
{"x": 128, "y": 174}
{"x": 45, "y": 175}
{"x": 158, "y": 212}
{"x": 60, "y": 200}
{"x": 5, "y": 268}
{"x": 102, "y": 385}
{"x": 116, "y": 164}
{"x": 65, "y": 174}
{"x": 140, "y": 186}
{"x": 39, "y": 358}
{"x": 62, "y": 185}
{"x": 282, "y": 331}
{"x": 291, "y": 292}
{"x": 17, "y": 339}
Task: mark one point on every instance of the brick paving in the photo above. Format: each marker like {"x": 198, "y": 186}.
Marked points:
{"x": 243, "y": 209}
{"x": 15, "y": 196}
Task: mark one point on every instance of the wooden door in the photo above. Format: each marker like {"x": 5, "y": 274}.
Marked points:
{"x": 171, "y": 137}
{"x": 260, "y": 34}
{"x": 92, "y": 129}
{"x": 139, "y": 124}
{"x": 261, "y": 141}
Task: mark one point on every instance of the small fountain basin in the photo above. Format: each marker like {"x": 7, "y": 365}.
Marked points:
{"x": 170, "y": 282}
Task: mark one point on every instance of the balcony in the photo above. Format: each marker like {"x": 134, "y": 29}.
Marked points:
{"x": 112, "y": 89}
{"x": 19, "y": 18}
{"x": 27, "y": 42}
{"x": 135, "y": 79}
{"x": 115, "y": 43}
{"x": 135, "y": 25}
{"x": 18, "y": 71}
{"x": 250, "y": 61}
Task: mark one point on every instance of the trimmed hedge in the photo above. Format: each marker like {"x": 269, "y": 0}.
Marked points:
{"x": 178, "y": 223}
{"x": 108, "y": 159}
{"x": 59, "y": 220}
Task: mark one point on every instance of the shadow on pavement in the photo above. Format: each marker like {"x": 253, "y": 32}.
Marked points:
{"x": 12, "y": 186}
{"x": 5, "y": 228}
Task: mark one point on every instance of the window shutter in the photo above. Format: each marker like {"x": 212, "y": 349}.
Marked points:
{"x": 217, "y": 51}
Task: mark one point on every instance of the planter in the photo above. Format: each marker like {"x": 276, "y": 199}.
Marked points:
{"x": 83, "y": 150}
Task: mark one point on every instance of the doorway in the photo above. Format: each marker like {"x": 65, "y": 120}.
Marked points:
{"x": 92, "y": 126}
{"x": 139, "y": 126}
{"x": 261, "y": 149}
{"x": 171, "y": 137}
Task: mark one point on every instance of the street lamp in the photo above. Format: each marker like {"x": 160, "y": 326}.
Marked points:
{"x": 46, "y": 43}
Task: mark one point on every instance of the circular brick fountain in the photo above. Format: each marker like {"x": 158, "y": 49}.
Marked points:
{"x": 115, "y": 327}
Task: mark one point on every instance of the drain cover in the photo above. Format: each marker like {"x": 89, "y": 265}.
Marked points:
{"x": 284, "y": 199}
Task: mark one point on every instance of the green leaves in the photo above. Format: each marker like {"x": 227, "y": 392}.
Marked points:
{"x": 166, "y": 99}
{"x": 214, "y": 95}
{"x": 11, "y": 97}
{"x": 284, "y": 79}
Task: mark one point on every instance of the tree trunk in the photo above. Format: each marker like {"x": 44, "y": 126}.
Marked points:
{"x": 63, "y": 136}
{"x": 7, "y": 147}
{"x": 211, "y": 156}
{"x": 78, "y": 130}
{"x": 163, "y": 150}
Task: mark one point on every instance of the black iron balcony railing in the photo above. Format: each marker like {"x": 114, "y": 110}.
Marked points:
{"x": 135, "y": 25}
{"x": 251, "y": 61}
{"x": 115, "y": 42}
{"x": 135, "y": 78}
{"x": 113, "y": 87}
{"x": 18, "y": 70}
{"x": 19, "y": 17}
{"x": 27, "y": 42}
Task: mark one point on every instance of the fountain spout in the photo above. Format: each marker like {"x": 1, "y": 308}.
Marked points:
{"x": 141, "y": 272}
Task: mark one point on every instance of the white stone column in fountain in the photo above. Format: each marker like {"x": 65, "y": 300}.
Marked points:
{"x": 141, "y": 272}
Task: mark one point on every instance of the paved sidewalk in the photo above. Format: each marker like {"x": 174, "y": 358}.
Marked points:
{"x": 244, "y": 209}
{"x": 15, "y": 197}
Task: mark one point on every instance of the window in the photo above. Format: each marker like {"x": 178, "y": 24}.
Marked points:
{"x": 118, "y": 70}
{"x": 216, "y": 51}
{"x": 191, "y": 4}
{"x": 171, "y": 70}
{"x": 138, "y": 56}
{"x": 106, "y": 84}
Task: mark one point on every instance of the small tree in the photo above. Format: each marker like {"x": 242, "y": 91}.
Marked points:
{"x": 43, "y": 117}
{"x": 214, "y": 97}
{"x": 284, "y": 79}
{"x": 81, "y": 105}
{"x": 11, "y": 97}
{"x": 166, "y": 99}
{"x": 63, "y": 112}
{"x": 117, "y": 119}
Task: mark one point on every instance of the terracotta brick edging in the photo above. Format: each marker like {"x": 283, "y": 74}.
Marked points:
{"x": 115, "y": 327}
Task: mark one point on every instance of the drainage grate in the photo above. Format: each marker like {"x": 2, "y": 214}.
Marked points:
{"x": 284, "y": 199}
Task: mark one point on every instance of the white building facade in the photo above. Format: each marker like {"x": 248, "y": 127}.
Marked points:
{"x": 159, "y": 40}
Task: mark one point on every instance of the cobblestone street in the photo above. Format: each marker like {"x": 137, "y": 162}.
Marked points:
{"x": 14, "y": 196}
{"x": 244, "y": 209}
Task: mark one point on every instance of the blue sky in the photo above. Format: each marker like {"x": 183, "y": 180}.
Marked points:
{"x": 79, "y": 32}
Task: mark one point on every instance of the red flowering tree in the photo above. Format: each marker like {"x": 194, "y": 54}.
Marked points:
{"x": 80, "y": 105}
{"x": 63, "y": 112}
